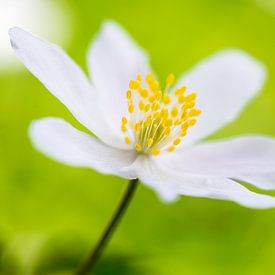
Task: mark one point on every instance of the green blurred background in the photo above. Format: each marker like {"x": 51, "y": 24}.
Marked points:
{"x": 51, "y": 214}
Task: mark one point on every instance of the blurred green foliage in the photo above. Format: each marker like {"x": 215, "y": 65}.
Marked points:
{"x": 51, "y": 214}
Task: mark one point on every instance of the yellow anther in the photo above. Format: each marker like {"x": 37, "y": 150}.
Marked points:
{"x": 184, "y": 126}
{"x": 158, "y": 95}
{"x": 168, "y": 122}
{"x": 157, "y": 115}
{"x": 138, "y": 147}
{"x": 171, "y": 148}
{"x": 149, "y": 78}
{"x": 192, "y": 122}
{"x": 183, "y": 133}
{"x": 131, "y": 108}
{"x": 134, "y": 84}
{"x": 184, "y": 116}
{"x": 166, "y": 99}
{"x": 174, "y": 111}
{"x": 150, "y": 142}
{"x": 127, "y": 140}
{"x": 194, "y": 112}
{"x": 139, "y": 78}
{"x": 124, "y": 120}
{"x": 181, "y": 99}
{"x": 152, "y": 98}
{"x": 123, "y": 128}
{"x": 147, "y": 107}
{"x": 164, "y": 112}
{"x": 184, "y": 107}
{"x": 141, "y": 105}
{"x": 129, "y": 94}
{"x": 180, "y": 91}
{"x": 154, "y": 86}
{"x": 178, "y": 121}
{"x": 190, "y": 104}
{"x": 143, "y": 93}
{"x": 170, "y": 79}
{"x": 191, "y": 97}
{"x": 155, "y": 152}
{"x": 177, "y": 141}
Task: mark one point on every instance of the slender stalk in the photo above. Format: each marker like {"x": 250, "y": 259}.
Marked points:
{"x": 89, "y": 263}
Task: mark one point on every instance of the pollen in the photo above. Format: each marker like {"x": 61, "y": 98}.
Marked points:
{"x": 157, "y": 120}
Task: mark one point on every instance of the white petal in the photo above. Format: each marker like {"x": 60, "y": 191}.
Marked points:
{"x": 62, "y": 142}
{"x": 226, "y": 189}
{"x": 224, "y": 83}
{"x": 171, "y": 182}
{"x": 247, "y": 158}
{"x": 145, "y": 169}
{"x": 64, "y": 79}
{"x": 115, "y": 59}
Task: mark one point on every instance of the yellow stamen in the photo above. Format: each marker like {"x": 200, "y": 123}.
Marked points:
{"x": 166, "y": 99}
{"x": 181, "y": 99}
{"x": 155, "y": 106}
{"x": 147, "y": 107}
{"x": 138, "y": 147}
{"x": 129, "y": 94}
{"x": 150, "y": 142}
{"x": 131, "y": 108}
{"x": 194, "y": 112}
{"x": 177, "y": 141}
{"x": 171, "y": 148}
{"x": 180, "y": 91}
{"x": 143, "y": 93}
{"x": 158, "y": 120}
{"x": 141, "y": 105}
{"x": 191, "y": 97}
{"x": 170, "y": 79}
{"x": 134, "y": 84}
{"x": 127, "y": 140}
{"x": 124, "y": 120}
{"x": 192, "y": 122}
{"x": 137, "y": 127}
{"x": 123, "y": 128}
{"x": 174, "y": 111}
{"x": 152, "y": 98}
{"x": 155, "y": 152}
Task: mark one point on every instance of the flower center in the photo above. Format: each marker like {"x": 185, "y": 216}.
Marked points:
{"x": 157, "y": 120}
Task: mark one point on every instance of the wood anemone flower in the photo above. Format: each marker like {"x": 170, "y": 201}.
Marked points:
{"x": 144, "y": 131}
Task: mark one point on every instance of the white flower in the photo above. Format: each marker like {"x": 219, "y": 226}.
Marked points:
{"x": 142, "y": 133}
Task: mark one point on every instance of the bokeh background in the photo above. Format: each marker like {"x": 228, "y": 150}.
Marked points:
{"x": 51, "y": 214}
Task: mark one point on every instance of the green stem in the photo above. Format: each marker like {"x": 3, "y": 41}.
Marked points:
{"x": 89, "y": 263}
